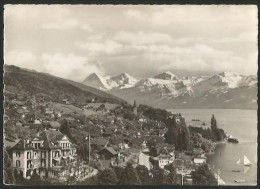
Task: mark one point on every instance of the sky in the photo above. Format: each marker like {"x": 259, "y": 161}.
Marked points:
{"x": 73, "y": 41}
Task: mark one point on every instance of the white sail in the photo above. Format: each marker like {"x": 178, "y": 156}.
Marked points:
{"x": 238, "y": 161}
{"x": 246, "y": 161}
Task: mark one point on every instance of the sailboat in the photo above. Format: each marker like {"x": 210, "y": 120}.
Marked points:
{"x": 246, "y": 161}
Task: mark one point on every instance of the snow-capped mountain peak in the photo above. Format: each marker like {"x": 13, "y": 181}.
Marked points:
{"x": 230, "y": 79}
{"x": 97, "y": 81}
{"x": 93, "y": 76}
{"x": 166, "y": 76}
{"x": 229, "y": 74}
{"x": 124, "y": 80}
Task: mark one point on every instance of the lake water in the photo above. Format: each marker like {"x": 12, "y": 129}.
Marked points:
{"x": 241, "y": 124}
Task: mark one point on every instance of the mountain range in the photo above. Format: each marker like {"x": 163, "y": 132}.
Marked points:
{"x": 166, "y": 90}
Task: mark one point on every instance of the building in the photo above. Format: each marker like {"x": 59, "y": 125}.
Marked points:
{"x": 199, "y": 160}
{"x": 165, "y": 156}
{"x": 143, "y": 159}
{"x": 43, "y": 154}
{"x": 100, "y": 143}
{"x": 108, "y": 153}
{"x": 65, "y": 101}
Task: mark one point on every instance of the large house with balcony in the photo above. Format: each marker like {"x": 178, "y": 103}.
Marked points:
{"x": 45, "y": 154}
{"x": 165, "y": 155}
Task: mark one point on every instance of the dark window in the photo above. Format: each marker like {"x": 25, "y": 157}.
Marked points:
{"x": 17, "y": 163}
{"x": 28, "y": 164}
{"x": 18, "y": 154}
{"x": 43, "y": 154}
{"x": 43, "y": 163}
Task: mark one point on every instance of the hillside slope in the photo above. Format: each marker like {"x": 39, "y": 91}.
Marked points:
{"x": 26, "y": 82}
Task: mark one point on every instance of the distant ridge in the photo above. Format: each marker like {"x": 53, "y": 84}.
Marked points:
{"x": 27, "y": 82}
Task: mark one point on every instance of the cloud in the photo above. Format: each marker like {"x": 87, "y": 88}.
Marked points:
{"x": 68, "y": 66}
{"x": 20, "y": 58}
{"x": 67, "y": 24}
{"x": 202, "y": 14}
{"x": 141, "y": 40}
{"x": 122, "y": 42}
{"x": 131, "y": 13}
{"x": 106, "y": 46}
{"x": 142, "y": 37}
{"x": 151, "y": 49}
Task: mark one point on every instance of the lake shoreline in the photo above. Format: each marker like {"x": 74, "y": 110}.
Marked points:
{"x": 239, "y": 123}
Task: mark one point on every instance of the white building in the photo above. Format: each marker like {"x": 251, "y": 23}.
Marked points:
{"x": 143, "y": 159}
{"x": 43, "y": 154}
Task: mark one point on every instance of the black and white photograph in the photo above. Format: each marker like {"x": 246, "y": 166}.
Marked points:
{"x": 130, "y": 95}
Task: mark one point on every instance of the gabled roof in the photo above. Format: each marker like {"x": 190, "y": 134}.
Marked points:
{"x": 109, "y": 130}
{"x": 94, "y": 133}
{"x": 116, "y": 140}
{"x": 164, "y": 153}
{"x": 18, "y": 123}
{"x": 22, "y": 145}
{"x": 10, "y": 142}
{"x": 50, "y": 138}
{"x": 138, "y": 141}
{"x": 19, "y": 102}
{"x": 158, "y": 139}
{"x": 55, "y": 124}
{"x": 109, "y": 149}
{"x": 197, "y": 151}
{"x": 99, "y": 141}
{"x": 21, "y": 111}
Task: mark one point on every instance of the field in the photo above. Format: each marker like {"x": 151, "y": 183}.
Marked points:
{"x": 68, "y": 108}
{"x": 107, "y": 105}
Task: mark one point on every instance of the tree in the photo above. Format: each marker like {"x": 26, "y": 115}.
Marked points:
{"x": 19, "y": 179}
{"x": 171, "y": 178}
{"x": 107, "y": 177}
{"x": 151, "y": 143}
{"x": 186, "y": 137}
{"x": 130, "y": 176}
{"x": 8, "y": 176}
{"x": 65, "y": 129}
{"x": 172, "y": 133}
{"x": 35, "y": 178}
{"x": 119, "y": 173}
{"x": 202, "y": 176}
{"x": 90, "y": 181}
{"x": 216, "y": 132}
{"x": 158, "y": 176}
{"x": 143, "y": 174}
{"x": 83, "y": 150}
{"x": 198, "y": 141}
{"x": 177, "y": 134}
{"x": 213, "y": 122}
{"x": 129, "y": 115}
